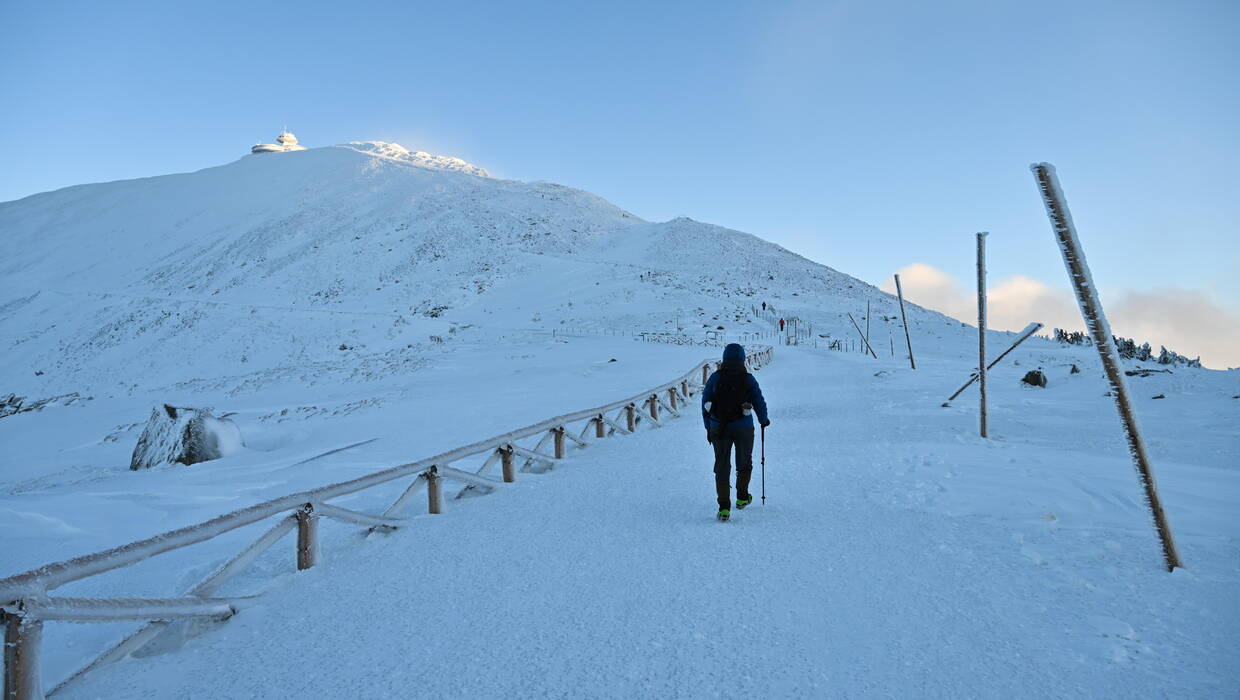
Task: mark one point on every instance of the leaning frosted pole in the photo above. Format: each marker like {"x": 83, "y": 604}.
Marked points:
{"x": 1100, "y": 331}
{"x": 900, "y": 292}
{"x": 1024, "y": 335}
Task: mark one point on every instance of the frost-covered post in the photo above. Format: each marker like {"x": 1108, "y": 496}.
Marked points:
{"x": 654, "y": 406}
{"x": 630, "y": 415}
{"x": 600, "y": 428}
{"x": 23, "y": 639}
{"x": 867, "y": 322}
{"x": 907, "y": 339}
{"x": 1100, "y": 330}
{"x": 505, "y": 458}
{"x": 307, "y": 537}
{"x": 558, "y": 434}
{"x": 434, "y": 492}
{"x": 981, "y": 327}
{"x": 671, "y": 398}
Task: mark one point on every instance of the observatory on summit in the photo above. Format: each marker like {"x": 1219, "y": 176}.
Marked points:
{"x": 286, "y": 141}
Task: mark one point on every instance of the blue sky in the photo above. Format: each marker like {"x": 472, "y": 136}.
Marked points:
{"x": 869, "y": 136}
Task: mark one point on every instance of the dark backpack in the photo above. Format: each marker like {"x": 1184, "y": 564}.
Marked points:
{"x": 731, "y": 390}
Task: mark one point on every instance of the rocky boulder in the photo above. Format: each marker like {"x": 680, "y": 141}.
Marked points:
{"x": 1035, "y": 378}
{"x": 184, "y": 436}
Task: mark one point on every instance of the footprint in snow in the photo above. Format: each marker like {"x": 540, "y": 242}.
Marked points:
{"x": 1120, "y": 643}
{"x": 1032, "y": 555}
{"x": 1110, "y": 627}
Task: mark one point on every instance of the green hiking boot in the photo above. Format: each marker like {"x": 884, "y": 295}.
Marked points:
{"x": 742, "y": 502}
{"x": 724, "y": 514}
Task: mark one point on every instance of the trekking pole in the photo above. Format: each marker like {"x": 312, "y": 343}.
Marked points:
{"x": 764, "y": 465}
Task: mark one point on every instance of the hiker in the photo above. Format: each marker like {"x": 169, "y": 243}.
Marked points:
{"x": 764, "y": 306}
{"x": 781, "y": 325}
{"x": 731, "y": 394}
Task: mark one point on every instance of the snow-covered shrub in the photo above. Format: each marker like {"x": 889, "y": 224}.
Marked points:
{"x": 1128, "y": 349}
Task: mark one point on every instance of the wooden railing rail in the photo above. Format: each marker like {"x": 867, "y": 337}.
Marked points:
{"x": 129, "y": 609}
{"x": 28, "y": 603}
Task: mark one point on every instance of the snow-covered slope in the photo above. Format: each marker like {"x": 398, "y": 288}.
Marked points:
{"x": 360, "y": 306}
{"x": 897, "y": 556}
{"x": 270, "y": 262}
{"x": 330, "y": 296}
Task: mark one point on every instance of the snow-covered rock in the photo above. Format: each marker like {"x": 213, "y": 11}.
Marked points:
{"x": 397, "y": 152}
{"x": 1035, "y": 377}
{"x": 184, "y": 436}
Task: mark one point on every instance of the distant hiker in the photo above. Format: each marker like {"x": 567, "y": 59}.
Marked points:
{"x": 781, "y": 325}
{"x": 728, "y": 422}
{"x": 764, "y": 306}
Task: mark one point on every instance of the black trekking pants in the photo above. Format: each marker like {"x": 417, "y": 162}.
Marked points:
{"x": 725, "y": 439}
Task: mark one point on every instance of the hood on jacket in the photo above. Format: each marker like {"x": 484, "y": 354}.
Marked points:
{"x": 734, "y": 352}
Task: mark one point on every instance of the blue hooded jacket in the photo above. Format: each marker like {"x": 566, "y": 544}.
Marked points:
{"x": 734, "y": 361}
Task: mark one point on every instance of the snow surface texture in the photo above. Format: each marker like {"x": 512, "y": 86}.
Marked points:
{"x": 896, "y": 556}
{"x": 355, "y": 309}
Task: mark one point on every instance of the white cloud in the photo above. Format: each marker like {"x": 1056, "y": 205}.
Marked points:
{"x": 1187, "y": 321}
{"x": 1010, "y": 305}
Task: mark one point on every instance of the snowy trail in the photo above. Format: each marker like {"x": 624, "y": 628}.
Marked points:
{"x": 609, "y": 577}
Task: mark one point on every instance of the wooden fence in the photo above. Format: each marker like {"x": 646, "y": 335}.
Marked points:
{"x": 27, "y": 603}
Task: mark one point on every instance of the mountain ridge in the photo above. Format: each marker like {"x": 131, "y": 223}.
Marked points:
{"x": 241, "y": 266}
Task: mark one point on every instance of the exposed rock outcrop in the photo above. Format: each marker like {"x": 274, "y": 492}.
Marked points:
{"x": 184, "y": 436}
{"x": 1035, "y": 378}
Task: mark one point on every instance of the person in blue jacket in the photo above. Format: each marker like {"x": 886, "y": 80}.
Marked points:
{"x": 729, "y": 398}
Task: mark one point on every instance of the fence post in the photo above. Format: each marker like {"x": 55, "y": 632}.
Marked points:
{"x": 505, "y": 458}
{"x": 981, "y": 327}
{"x": 600, "y": 428}
{"x": 705, "y": 373}
{"x": 434, "y": 492}
{"x": 671, "y": 398}
{"x": 629, "y": 414}
{"x": 1096, "y": 323}
{"x": 907, "y": 339}
{"x": 558, "y": 434}
{"x": 23, "y": 639}
{"x": 867, "y": 321}
{"x": 654, "y": 406}
{"x": 307, "y": 537}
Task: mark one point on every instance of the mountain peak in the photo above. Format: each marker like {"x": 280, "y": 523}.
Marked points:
{"x": 395, "y": 151}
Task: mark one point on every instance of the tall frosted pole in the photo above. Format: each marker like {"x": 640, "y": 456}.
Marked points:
{"x": 867, "y": 321}
{"x": 1100, "y": 331}
{"x": 981, "y": 326}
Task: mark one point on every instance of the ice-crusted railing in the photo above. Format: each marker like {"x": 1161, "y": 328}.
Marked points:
{"x": 26, "y": 603}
